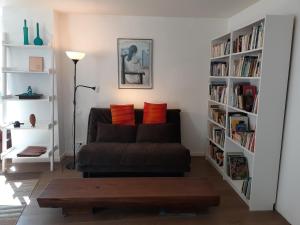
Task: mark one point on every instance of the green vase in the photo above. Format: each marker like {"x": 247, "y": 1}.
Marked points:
{"x": 38, "y": 40}
{"x": 25, "y": 33}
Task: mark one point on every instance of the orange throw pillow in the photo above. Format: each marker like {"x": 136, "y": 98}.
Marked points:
{"x": 122, "y": 114}
{"x": 155, "y": 113}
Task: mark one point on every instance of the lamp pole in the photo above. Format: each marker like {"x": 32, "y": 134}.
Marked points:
{"x": 75, "y": 56}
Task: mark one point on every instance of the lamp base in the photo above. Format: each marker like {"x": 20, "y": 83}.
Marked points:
{"x": 70, "y": 166}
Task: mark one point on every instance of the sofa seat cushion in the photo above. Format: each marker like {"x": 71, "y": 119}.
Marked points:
{"x": 133, "y": 157}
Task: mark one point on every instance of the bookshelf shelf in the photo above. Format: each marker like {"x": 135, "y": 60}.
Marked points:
{"x": 269, "y": 57}
{"x": 10, "y": 45}
{"x": 257, "y": 50}
{"x": 242, "y": 111}
{"x": 219, "y": 77}
{"x": 19, "y": 71}
{"x": 215, "y": 102}
{"x": 237, "y": 187}
{"x": 220, "y": 57}
{"x": 219, "y": 146}
{"x": 245, "y": 150}
{"x": 243, "y": 78}
{"x": 217, "y": 124}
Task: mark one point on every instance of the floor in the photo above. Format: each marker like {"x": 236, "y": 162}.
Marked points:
{"x": 232, "y": 210}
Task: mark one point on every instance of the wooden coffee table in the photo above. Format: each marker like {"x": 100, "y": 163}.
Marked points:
{"x": 83, "y": 194}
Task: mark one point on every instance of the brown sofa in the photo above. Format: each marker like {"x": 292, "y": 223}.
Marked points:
{"x": 141, "y": 150}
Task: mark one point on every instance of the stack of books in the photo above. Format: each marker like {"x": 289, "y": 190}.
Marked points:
{"x": 251, "y": 40}
{"x": 247, "y": 66}
{"x": 219, "y": 69}
{"x": 217, "y": 114}
{"x": 220, "y": 49}
{"x": 218, "y": 92}
{"x": 240, "y": 131}
{"x": 216, "y": 154}
{"x": 245, "y": 97}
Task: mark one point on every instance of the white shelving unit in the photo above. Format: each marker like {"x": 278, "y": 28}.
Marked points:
{"x": 15, "y": 79}
{"x": 268, "y": 122}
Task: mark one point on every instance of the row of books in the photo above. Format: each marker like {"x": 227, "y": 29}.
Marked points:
{"x": 247, "y": 66}
{"x": 217, "y": 114}
{"x": 251, "y": 40}
{"x": 217, "y": 134}
{"x": 237, "y": 166}
{"x": 240, "y": 130}
{"x": 219, "y": 69}
{"x": 216, "y": 154}
{"x": 245, "y": 96}
{"x": 246, "y": 187}
{"x": 220, "y": 49}
{"x": 218, "y": 91}
{"x": 245, "y": 139}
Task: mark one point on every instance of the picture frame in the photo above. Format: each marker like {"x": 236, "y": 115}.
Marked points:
{"x": 135, "y": 63}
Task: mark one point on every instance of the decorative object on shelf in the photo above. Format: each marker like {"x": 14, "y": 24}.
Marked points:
{"x": 29, "y": 94}
{"x": 17, "y": 124}
{"x": 38, "y": 40}
{"x": 36, "y": 64}
{"x": 25, "y": 34}
{"x": 75, "y": 57}
{"x": 135, "y": 63}
{"x": 32, "y": 120}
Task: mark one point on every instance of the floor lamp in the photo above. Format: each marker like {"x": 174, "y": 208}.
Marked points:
{"x": 75, "y": 57}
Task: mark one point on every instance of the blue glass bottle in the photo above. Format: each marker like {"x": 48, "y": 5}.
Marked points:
{"x": 25, "y": 33}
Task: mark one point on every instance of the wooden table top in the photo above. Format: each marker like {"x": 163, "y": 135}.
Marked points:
{"x": 86, "y": 191}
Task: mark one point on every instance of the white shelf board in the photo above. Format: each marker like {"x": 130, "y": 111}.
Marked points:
{"x": 244, "y": 78}
{"x": 220, "y": 57}
{"x": 13, "y": 151}
{"x": 242, "y": 111}
{"x": 245, "y": 150}
{"x": 214, "y": 122}
{"x": 237, "y": 186}
{"x": 219, "y": 146}
{"x": 220, "y": 169}
{"x": 215, "y": 102}
{"x": 219, "y": 77}
{"x": 10, "y": 45}
{"x": 247, "y": 52}
{"x": 16, "y": 98}
{"x": 27, "y": 126}
{"x": 19, "y": 71}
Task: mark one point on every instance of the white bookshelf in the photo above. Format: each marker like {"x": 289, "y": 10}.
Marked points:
{"x": 15, "y": 79}
{"x": 268, "y": 122}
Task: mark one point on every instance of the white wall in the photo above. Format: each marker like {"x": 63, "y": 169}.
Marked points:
{"x": 180, "y": 68}
{"x": 288, "y": 203}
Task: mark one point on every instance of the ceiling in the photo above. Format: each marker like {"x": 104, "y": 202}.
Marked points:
{"x": 164, "y": 8}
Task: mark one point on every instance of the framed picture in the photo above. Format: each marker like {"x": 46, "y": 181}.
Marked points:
{"x": 135, "y": 63}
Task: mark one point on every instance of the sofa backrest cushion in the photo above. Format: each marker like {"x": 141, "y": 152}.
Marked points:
{"x": 157, "y": 133}
{"x": 103, "y": 115}
{"x": 115, "y": 133}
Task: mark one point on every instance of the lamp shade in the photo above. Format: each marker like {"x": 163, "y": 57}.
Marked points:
{"x": 75, "y": 55}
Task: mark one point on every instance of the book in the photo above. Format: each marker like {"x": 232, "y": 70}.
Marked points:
{"x": 238, "y": 167}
